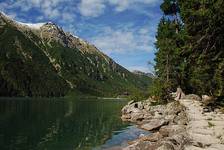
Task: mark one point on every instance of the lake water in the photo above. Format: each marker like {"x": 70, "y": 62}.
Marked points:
{"x": 62, "y": 124}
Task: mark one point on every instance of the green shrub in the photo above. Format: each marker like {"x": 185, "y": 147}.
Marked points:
{"x": 160, "y": 91}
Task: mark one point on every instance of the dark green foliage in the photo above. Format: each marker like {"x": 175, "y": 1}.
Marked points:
{"x": 159, "y": 91}
{"x": 25, "y": 70}
{"x": 170, "y": 7}
{"x": 168, "y": 45}
{"x": 194, "y": 56}
{"x": 169, "y": 66}
{"x": 204, "y": 50}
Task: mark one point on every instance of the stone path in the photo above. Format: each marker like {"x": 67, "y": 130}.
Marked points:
{"x": 205, "y": 129}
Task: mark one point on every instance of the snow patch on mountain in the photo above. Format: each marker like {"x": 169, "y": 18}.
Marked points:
{"x": 30, "y": 25}
{"x": 36, "y": 26}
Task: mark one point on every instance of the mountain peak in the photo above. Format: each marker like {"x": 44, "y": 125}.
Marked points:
{"x": 49, "y": 27}
{"x": 29, "y": 25}
{"x": 36, "y": 26}
{"x": 137, "y": 72}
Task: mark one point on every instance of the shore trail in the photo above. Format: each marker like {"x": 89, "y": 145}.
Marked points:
{"x": 204, "y": 128}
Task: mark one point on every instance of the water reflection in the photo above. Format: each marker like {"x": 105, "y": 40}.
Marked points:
{"x": 58, "y": 124}
{"x": 121, "y": 138}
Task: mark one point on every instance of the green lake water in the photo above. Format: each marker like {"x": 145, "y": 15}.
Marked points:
{"x": 60, "y": 124}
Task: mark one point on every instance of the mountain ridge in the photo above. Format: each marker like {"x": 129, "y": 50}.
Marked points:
{"x": 72, "y": 62}
{"x": 137, "y": 72}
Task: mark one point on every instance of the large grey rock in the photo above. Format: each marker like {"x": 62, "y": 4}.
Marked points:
{"x": 171, "y": 130}
{"x": 166, "y": 146}
{"x": 152, "y": 138}
{"x": 137, "y": 117}
{"x": 173, "y": 108}
{"x": 154, "y": 124}
{"x": 136, "y": 112}
{"x": 130, "y": 108}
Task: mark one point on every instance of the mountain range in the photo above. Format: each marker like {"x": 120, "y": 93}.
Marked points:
{"x": 42, "y": 60}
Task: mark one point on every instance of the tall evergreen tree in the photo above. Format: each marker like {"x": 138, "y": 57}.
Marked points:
{"x": 205, "y": 51}
{"x": 193, "y": 57}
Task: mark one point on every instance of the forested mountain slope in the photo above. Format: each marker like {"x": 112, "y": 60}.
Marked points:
{"x": 43, "y": 60}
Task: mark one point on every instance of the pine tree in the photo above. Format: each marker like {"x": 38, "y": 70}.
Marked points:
{"x": 193, "y": 57}
{"x": 205, "y": 51}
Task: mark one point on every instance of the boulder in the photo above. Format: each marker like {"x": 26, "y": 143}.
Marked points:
{"x": 193, "y": 97}
{"x": 135, "y": 110}
{"x": 154, "y": 124}
{"x": 171, "y": 130}
{"x": 158, "y": 115}
{"x": 134, "y": 107}
{"x": 207, "y": 100}
{"x": 137, "y": 117}
{"x": 126, "y": 117}
{"x": 166, "y": 146}
{"x": 173, "y": 108}
{"x": 152, "y": 138}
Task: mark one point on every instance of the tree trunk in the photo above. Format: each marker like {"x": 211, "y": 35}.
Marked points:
{"x": 179, "y": 94}
{"x": 167, "y": 68}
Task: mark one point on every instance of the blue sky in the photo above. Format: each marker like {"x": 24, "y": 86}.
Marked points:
{"x": 123, "y": 29}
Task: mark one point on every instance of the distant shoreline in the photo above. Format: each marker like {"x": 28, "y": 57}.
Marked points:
{"x": 111, "y": 98}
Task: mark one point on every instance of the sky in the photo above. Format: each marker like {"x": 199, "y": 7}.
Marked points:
{"x": 123, "y": 29}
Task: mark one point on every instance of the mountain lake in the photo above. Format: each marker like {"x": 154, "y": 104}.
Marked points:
{"x": 63, "y": 124}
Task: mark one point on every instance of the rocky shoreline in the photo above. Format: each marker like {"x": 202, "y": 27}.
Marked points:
{"x": 178, "y": 125}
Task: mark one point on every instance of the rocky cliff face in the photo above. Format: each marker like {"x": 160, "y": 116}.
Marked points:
{"x": 43, "y": 60}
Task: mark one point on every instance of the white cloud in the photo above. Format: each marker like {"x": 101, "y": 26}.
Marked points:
{"x": 91, "y": 8}
{"x": 51, "y": 9}
{"x": 60, "y": 11}
{"x": 94, "y": 8}
{"x": 121, "y": 5}
{"x": 124, "y": 40}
